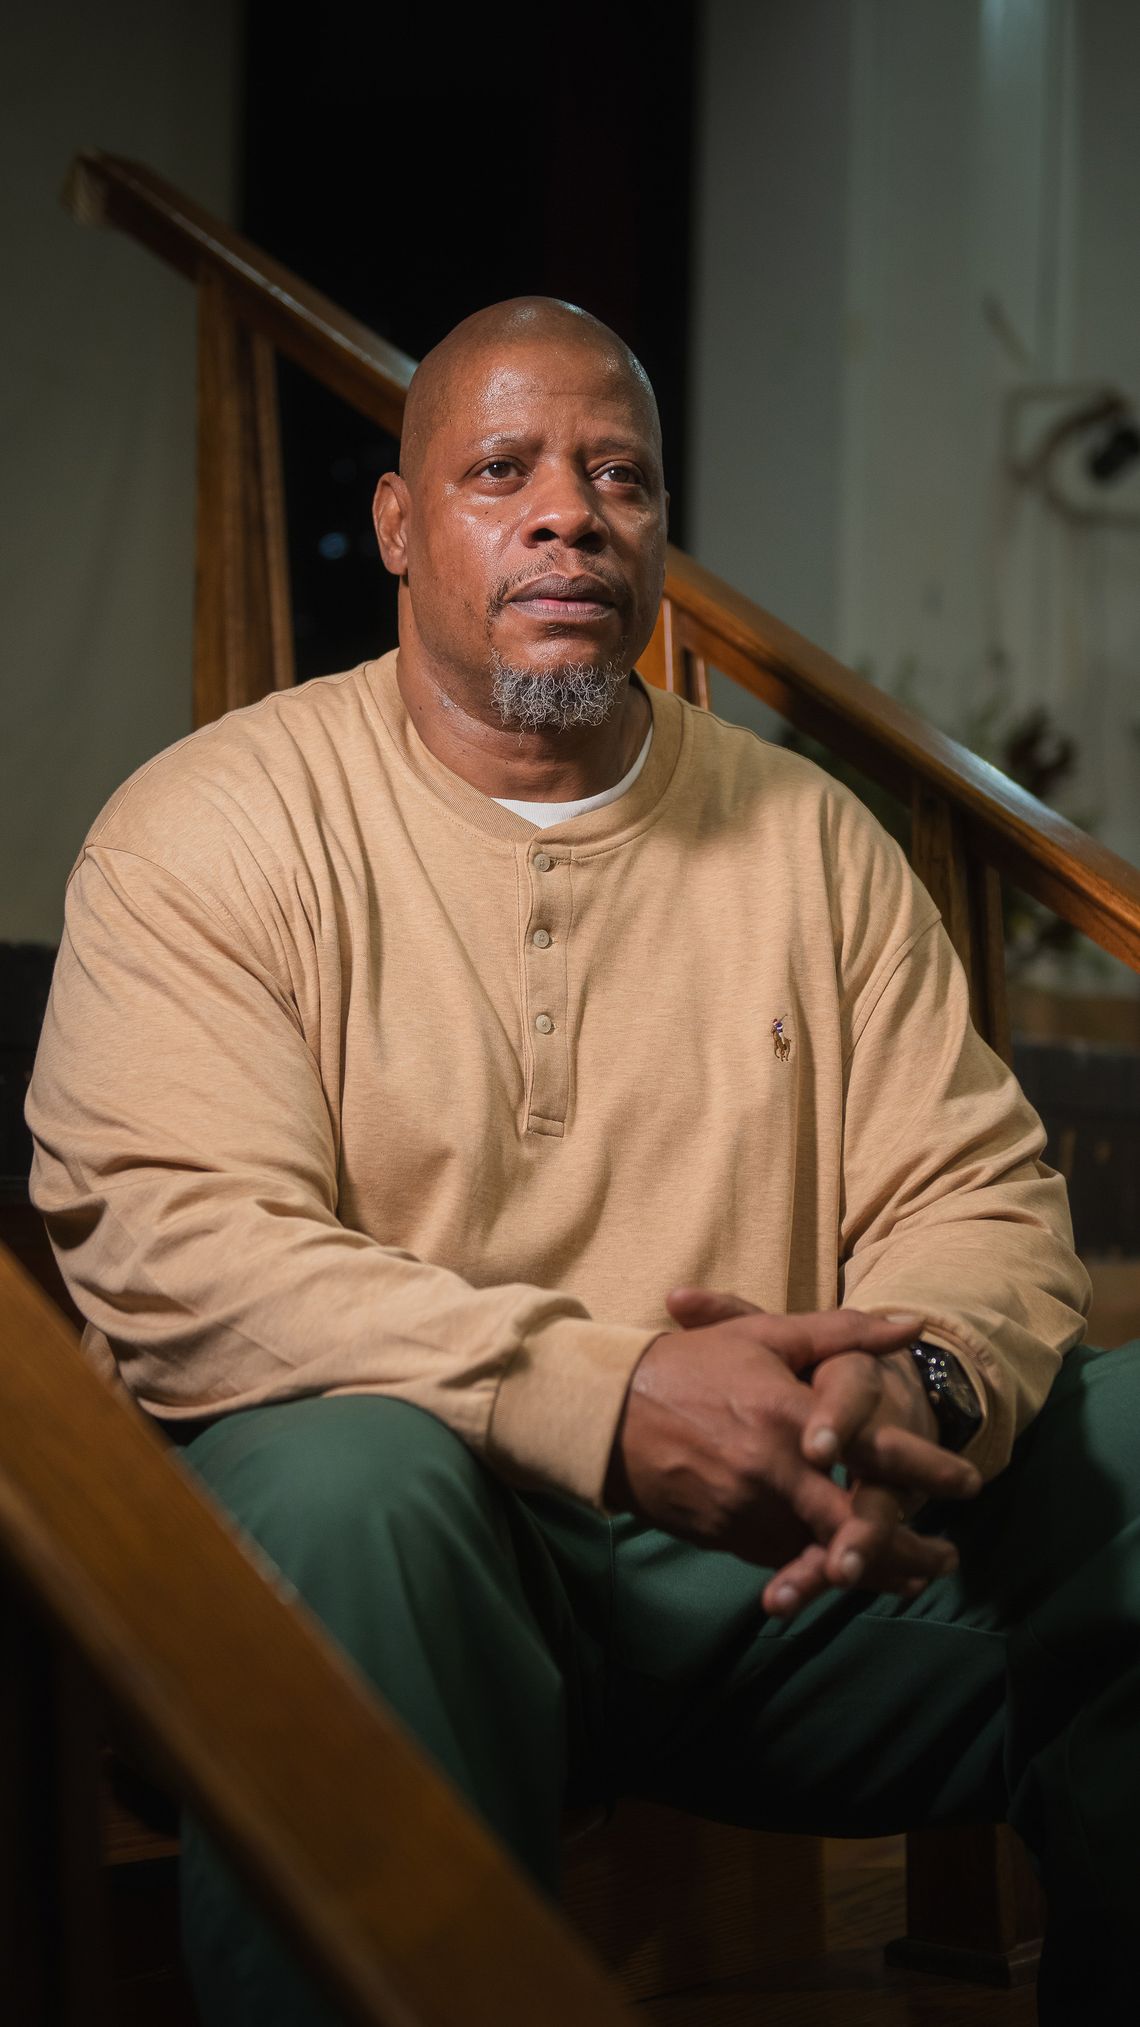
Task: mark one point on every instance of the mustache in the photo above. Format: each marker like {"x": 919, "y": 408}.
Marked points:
{"x": 508, "y": 587}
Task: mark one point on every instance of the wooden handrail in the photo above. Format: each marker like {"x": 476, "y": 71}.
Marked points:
{"x": 704, "y": 620}
{"x": 1042, "y": 852}
{"x": 404, "y": 1906}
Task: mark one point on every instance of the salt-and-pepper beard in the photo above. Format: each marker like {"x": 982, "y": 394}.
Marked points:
{"x": 576, "y": 693}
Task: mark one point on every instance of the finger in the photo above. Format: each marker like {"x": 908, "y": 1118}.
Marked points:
{"x": 816, "y": 1500}
{"x": 803, "y": 1338}
{"x": 797, "y": 1584}
{"x": 911, "y": 1463}
{"x": 873, "y": 1549}
{"x": 696, "y": 1308}
{"x": 806, "y": 1577}
{"x": 846, "y": 1393}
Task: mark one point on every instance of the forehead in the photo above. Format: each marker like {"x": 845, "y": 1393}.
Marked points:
{"x": 523, "y": 384}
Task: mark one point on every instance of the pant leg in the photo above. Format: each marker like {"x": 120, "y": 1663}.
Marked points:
{"x": 443, "y": 1588}
{"x": 1009, "y": 1689}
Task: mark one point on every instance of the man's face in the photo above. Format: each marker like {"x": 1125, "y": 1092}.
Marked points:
{"x": 532, "y": 533}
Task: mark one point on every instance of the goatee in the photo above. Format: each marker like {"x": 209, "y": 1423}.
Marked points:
{"x": 573, "y": 693}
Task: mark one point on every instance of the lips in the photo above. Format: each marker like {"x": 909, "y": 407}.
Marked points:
{"x": 579, "y": 598}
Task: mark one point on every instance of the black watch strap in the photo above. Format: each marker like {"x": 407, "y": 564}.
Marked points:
{"x": 948, "y": 1389}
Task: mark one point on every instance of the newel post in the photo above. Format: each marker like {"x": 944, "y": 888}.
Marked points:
{"x": 243, "y": 629}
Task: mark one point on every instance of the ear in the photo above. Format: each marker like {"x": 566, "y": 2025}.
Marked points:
{"x": 666, "y": 512}
{"x": 391, "y": 507}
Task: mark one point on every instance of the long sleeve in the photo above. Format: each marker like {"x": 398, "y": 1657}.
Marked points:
{"x": 186, "y": 1166}
{"x": 948, "y": 1208}
{"x": 348, "y": 1086}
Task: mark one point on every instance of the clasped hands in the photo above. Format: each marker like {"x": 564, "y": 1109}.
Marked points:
{"x": 721, "y": 1442}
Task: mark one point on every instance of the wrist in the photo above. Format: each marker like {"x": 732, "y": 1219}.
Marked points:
{"x": 951, "y": 1395}
{"x": 911, "y": 1395}
{"x": 617, "y": 1492}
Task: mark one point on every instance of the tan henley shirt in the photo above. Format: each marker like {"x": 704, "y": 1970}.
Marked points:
{"x": 354, "y": 1081}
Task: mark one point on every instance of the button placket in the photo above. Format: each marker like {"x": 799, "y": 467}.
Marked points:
{"x": 544, "y": 971}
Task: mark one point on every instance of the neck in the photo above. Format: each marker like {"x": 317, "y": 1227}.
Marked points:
{"x": 545, "y": 764}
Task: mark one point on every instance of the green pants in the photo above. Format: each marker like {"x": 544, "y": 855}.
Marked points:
{"x": 543, "y": 1653}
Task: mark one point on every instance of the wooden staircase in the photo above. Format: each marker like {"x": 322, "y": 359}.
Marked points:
{"x": 115, "y": 1570}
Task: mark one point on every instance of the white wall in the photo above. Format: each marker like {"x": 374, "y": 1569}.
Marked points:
{"x": 1102, "y": 338}
{"x": 766, "y": 418}
{"x": 908, "y": 210}
{"x": 96, "y": 418}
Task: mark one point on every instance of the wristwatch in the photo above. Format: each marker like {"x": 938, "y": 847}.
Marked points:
{"x": 956, "y": 1407}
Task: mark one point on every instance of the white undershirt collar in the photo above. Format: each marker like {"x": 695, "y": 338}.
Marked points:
{"x": 546, "y": 814}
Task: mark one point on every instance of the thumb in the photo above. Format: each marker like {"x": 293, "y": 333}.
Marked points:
{"x": 696, "y": 1308}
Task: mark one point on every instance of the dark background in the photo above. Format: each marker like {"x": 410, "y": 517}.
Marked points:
{"x": 416, "y": 176}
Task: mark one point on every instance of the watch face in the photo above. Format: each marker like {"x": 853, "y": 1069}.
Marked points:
{"x": 950, "y": 1394}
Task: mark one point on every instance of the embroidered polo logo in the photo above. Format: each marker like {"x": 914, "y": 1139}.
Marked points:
{"x": 781, "y": 1042}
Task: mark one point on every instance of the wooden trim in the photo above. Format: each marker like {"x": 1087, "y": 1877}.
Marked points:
{"x": 401, "y": 1903}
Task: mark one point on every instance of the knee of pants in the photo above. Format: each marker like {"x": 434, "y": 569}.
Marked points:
{"x": 1094, "y": 1412}
{"x": 1072, "y": 1491}
{"x": 323, "y": 1484}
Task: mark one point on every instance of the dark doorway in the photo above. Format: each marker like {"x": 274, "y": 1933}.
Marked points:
{"x": 416, "y": 166}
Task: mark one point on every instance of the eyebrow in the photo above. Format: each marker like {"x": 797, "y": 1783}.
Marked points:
{"x": 504, "y": 439}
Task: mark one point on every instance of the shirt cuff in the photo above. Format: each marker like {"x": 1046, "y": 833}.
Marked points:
{"x": 558, "y": 1405}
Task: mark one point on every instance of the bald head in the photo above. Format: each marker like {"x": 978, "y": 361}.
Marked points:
{"x": 523, "y": 320}
{"x": 527, "y": 523}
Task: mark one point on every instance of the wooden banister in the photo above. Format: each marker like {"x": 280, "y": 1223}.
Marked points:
{"x": 403, "y": 1905}
{"x": 243, "y": 623}
{"x": 1040, "y": 851}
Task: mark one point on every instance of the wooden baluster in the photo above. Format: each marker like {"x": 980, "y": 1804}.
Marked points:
{"x": 243, "y": 629}
{"x": 676, "y": 672}
{"x": 698, "y": 680}
{"x": 651, "y": 660}
{"x": 974, "y": 1908}
{"x": 669, "y": 665}
{"x": 968, "y": 894}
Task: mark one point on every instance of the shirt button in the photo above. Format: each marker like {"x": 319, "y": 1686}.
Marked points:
{"x": 542, "y": 862}
{"x": 542, "y": 938}
{"x": 544, "y": 1024}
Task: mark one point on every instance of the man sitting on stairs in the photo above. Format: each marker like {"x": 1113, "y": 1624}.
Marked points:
{"x": 524, "y": 1137}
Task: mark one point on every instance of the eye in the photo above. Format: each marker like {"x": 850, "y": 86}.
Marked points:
{"x": 497, "y": 467}
{"x": 625, "y": 475}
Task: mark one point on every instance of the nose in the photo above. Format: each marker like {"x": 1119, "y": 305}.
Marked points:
{"x": 562, "y": 506}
